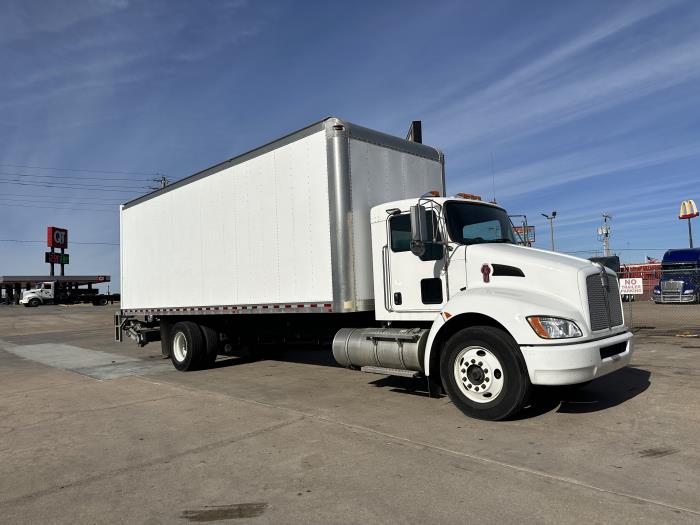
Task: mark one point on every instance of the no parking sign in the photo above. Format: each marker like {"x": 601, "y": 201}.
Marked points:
{"x": 631, "y": 286}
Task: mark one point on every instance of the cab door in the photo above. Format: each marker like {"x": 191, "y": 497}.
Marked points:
{"x": 415, "y": 283}
{"x": 47, "y": 291}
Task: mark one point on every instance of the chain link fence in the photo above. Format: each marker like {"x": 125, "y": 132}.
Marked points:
{"x": 663, "y": 300}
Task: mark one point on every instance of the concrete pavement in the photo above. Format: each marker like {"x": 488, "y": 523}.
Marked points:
{"x": 298, "y": 440}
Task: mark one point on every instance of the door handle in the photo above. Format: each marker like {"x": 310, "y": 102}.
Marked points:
{"x": 397, "y": 298}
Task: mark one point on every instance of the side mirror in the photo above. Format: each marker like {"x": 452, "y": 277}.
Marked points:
{"x": 419, "y": 230}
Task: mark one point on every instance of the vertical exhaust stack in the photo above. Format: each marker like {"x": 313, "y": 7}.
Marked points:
{"x": 415, "y": 132}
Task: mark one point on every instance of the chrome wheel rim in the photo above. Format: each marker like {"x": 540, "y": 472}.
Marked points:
{"x": 479, "y": 374}
{"x": 180, "y": 347}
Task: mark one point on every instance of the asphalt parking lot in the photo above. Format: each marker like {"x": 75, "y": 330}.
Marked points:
{"x": 93, "y": 431}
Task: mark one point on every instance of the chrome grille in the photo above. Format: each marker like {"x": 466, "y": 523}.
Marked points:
{"x": 604, "y": 303}
{"x": 672, "y": 286}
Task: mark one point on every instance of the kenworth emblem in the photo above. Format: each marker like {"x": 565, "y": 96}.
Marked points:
{"x": 485, "y": 272}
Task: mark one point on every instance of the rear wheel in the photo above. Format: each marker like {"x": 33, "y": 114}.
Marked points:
{"x": 484, "y": 373}
{"x": 187, "y": 346}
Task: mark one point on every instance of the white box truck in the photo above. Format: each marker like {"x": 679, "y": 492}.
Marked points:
{"x": 338, "y": 232}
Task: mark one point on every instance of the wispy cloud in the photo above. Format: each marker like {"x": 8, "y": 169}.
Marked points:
{"x": 575, "y": 80}
{"x": 585, "y": 164}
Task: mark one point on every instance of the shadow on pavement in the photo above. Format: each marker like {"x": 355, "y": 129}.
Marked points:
{"x": 403, "y": 385}
{"x": 601, "y": 394}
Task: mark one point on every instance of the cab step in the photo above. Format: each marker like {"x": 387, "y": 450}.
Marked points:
{"x": 389, "y": 371}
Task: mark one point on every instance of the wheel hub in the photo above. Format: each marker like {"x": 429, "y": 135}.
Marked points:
{"x": 479, "y": 374}
{"x": 475, "y": 374}
{"x": 180, "y": 346}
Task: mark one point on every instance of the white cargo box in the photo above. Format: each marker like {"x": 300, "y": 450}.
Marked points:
{"x": 284, "y": 227}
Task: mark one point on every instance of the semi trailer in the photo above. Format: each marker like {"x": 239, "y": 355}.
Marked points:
{"x": 338, "y": 233}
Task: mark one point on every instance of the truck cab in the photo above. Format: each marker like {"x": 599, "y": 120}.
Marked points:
{"x": 680, "y": 277}
{"x": 500, "y": 317}
{"x": 41, "y": 294}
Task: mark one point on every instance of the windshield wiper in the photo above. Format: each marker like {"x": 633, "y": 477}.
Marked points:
{"x": 499, "y": 240}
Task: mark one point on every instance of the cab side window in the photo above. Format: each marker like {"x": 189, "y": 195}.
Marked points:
{"x": 400, "y": 227}
{"x": 400, "y": 231}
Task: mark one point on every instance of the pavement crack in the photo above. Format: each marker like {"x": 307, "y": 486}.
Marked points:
{"x": 162, "y": 459}
{"x": 443, "y": 450}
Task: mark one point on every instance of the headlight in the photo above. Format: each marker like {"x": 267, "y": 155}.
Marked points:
{"x": 657, "y": 290}
{"x": 688, "y": 292}
{"x": 553, "y": 327}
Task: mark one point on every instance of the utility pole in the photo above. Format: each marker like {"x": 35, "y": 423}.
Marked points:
{"x": 550, "y": 218}
{"x": 162, "y": 181}
{"x": 604, "y": 234}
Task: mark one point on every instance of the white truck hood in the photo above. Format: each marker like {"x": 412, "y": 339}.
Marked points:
{"x": 561, "y": 276}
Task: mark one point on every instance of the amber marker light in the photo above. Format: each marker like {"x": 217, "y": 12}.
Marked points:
{"x": 537, "y": 327}
{"x": 469, "y": 196}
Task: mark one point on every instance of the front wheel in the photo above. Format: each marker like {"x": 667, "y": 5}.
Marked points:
{"x": 484, "y": 373}
{"x": 34, "y": 302}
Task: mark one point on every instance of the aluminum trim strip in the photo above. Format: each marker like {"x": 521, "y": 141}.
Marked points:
{"x": 321, "y": 306}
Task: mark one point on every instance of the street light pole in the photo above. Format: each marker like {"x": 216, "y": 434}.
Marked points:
{"x": 550, "y": 218}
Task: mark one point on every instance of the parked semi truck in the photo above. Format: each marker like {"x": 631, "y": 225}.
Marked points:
{"x": 55, "y": 292}
{"x": 337, "y": 232}
{"x": 680, "y": 277}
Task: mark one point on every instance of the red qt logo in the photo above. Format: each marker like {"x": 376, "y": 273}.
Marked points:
{"x": 486, "y": 272}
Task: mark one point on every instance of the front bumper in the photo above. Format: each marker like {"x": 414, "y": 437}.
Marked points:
{"x": 674, "y": 298}
{"x": 568, "y": 364}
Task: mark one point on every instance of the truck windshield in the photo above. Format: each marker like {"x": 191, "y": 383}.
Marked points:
{"x": 471, "y": 223}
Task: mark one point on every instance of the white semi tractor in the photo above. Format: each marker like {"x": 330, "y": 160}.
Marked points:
{"x": 338, "y": 232}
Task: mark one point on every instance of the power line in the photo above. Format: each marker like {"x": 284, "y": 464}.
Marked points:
{"x": 74, "y": 187}
{"x": 146, "y": 173}
{"x": 78, "y": 184}
{"x": 57, "y": 208}
{"x": 68, "y": 206}
{"x": 72, "y": 242}
{"x": 55, "y": 198}
{"x": 32, "y": 175}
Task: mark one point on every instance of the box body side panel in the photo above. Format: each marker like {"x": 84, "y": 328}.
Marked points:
{"x": 257, "y": 232}
{"x": 381, "y": 174}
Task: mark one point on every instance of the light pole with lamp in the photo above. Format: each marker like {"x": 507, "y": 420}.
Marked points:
{"x": 550, "y": 218}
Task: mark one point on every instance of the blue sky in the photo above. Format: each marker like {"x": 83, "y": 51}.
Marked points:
{"x": 585, "y": 107}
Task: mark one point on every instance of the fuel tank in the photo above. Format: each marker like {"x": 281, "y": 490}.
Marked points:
{"x": 398, "y": 348}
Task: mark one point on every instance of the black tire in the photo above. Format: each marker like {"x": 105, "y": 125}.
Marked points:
{"x": 211, "y": 340}
{"x": 34, "y": 302}
{"x": 511, "y": 372}
{"x": 102, "y": 301}
{"x": 190, "y": 336}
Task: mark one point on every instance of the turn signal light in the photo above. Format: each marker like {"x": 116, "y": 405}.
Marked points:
{"x": 553, "y": 327}
{"x": 469, "y": 196}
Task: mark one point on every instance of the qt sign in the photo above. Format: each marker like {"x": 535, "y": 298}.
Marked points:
{"x": 56, "y": 237}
